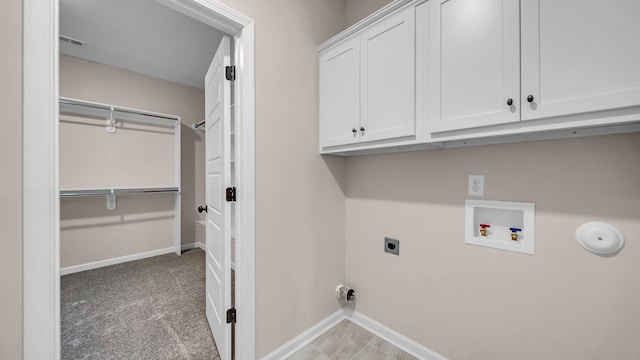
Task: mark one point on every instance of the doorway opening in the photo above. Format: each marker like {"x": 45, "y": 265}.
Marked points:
{"x": 41, "y": 230}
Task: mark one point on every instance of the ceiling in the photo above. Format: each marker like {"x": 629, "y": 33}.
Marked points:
{"x": 141, "y": 36}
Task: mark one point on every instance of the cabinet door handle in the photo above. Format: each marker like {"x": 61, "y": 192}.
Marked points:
{"x": 530, "y": 98}
{"x": 354, "y": 131}
{"x": 361, "y": 129}
{"x": 509, "y": 101}
{"x": 202, "y": 208}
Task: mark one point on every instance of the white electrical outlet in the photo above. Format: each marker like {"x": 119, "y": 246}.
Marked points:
{"x": 476, "y": 185}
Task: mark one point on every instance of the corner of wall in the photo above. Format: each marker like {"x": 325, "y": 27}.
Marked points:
{"x": 11, "y": 180}
{"x": 356, "y": 10}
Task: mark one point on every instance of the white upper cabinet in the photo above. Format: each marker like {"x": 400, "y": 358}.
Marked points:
{"x": 495, "y": 62}
{"x": 340, "y": 94}
{"x": 388, "y": 78}
{"x": 579, "y": 56}
{"x": 474, "y": 71}
{"x": 367, "y": 84}
{"x": 422, "y": 74}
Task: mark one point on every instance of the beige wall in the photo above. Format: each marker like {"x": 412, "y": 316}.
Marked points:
{"x": 356, "y": 10}
{"x": 90, "y": 232}
{"x": 471, "y": 302}
{"x": 11, "y": 180}
{"x": 140, "y": 223}
{"x": 299, "y": 202}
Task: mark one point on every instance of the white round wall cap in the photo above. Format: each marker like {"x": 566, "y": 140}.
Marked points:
{"x": 600, "y": 238}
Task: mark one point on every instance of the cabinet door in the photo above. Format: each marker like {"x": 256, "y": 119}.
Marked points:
{"x": 388, "y": 78}
{"x": 339, "y": 70}
{"x": 579, "y": 56}
{"x": 474, "y": 63}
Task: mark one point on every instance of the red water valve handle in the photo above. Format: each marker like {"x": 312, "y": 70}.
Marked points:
{"x": 484, "y": 226}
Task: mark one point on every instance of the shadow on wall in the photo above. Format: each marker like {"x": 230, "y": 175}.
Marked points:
{"x": 591, "y": 175}
{"x": 190, "y": 147}
{"x": 337, "y": 167}
{"x": 89, "y": 212}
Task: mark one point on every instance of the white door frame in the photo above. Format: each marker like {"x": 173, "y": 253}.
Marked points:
{"x": 41, "y": 202}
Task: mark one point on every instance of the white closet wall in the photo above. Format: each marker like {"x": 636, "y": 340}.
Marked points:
{"x": 136, "y": 155}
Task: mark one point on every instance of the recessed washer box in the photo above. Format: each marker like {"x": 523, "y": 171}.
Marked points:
{"x": 506, "y": 225}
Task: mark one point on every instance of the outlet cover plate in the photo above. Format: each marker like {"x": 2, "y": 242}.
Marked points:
{"x": 392, "y": 246}
{"x": 476, "y": 185}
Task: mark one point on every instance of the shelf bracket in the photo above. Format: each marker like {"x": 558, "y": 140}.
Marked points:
{"x": 111, "y": 121}
{"x": 111, "y": 200}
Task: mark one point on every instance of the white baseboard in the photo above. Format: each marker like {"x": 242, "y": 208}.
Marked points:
{"x": 306, "y": 337}
{"x": 193, "y": 245}
{"x": 400, "y": 341}
{"x": 113, "y": 261}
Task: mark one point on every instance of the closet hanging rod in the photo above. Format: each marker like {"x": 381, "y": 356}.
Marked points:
{"x": 105, "y": 107}
{"x": 197, "y": 125}
{"x": 116, "y": 191}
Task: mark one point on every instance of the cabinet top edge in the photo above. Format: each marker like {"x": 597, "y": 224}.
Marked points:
{"x": 362, "y": 24}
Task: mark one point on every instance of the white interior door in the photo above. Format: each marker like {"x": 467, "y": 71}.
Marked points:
{"x": 218, "y": 151}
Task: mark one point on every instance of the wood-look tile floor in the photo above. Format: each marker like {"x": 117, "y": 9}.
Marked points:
{"x": 348, "y": 341}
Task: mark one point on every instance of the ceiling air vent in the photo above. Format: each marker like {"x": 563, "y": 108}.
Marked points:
{"x": 73, "y": 41}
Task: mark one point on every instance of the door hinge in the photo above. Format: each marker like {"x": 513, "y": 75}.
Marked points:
{"x": 231, "y": 316}
{"x": 231, "y": 193}
{"x": 231, "y": 72}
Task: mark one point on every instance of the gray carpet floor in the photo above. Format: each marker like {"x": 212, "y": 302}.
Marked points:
{"x": 147, "y": 309}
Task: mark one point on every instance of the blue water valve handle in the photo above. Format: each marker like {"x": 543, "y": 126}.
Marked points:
{"x": 514, "y": 233}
